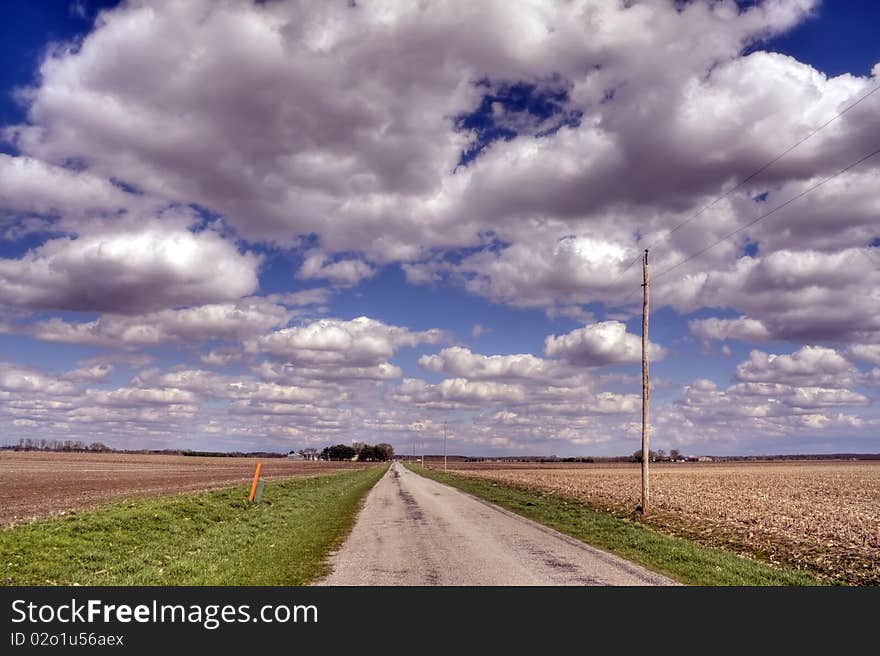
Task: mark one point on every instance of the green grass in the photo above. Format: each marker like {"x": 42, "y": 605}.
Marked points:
{"x": 678, "y": 558}
{"x": 208, "y": 538}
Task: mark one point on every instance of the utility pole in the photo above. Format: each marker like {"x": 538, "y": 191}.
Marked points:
{"x": 646, "y": 451}
{"x": 444, "y": 446}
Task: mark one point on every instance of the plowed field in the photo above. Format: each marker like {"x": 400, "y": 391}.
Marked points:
{"x": 820, "y": 516}
{"x": 39, "y": 484}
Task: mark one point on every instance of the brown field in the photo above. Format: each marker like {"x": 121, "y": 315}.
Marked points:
{"x": 820, "y": 516}
{"x": 38, "y": 484}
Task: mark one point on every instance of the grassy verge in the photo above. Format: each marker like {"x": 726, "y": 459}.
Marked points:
{"x": 208, "y": 538}
{"x": 680, "y": 559}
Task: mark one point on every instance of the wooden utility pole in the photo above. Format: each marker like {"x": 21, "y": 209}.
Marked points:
{"x": 444, "y": 446}
{"x": 646, "y": 451}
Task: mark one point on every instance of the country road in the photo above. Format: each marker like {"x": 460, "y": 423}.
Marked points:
{"x": 415, "y": 531}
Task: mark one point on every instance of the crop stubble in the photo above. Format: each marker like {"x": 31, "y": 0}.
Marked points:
{"x": 819, "y": 516}
{"x": 38, "y": 484}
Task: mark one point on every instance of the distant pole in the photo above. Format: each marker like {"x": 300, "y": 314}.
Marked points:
{"x": 646, "y": 451}
{"x": 444, "y": 446}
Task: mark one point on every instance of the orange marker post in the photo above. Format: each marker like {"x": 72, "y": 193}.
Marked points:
{"x": 254, "y": 484}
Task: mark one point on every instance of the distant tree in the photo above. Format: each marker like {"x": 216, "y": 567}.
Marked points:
{"x": 674, "y": 454}
{"x": 367, "y": 453}
{"x": 386, "y": 451}
{"x": 338, "y": 452}
{"x": 653, "y": 455}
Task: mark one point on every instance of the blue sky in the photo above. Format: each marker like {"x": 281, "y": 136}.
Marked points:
{"x": 234, "y": 226}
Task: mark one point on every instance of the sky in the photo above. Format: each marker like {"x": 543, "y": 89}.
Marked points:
{"x": 228, "y": 225}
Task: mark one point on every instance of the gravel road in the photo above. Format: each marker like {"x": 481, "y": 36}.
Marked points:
{"x": 415, "y": 531}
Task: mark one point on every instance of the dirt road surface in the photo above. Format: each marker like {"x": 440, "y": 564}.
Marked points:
{"x": 415, "y": 531}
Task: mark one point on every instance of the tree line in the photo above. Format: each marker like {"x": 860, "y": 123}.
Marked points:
{"x": 362, "y": 452}
{"x": 660, "y": 456}
{"x": 29, "y": 444}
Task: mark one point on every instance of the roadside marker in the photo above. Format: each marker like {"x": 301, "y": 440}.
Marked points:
{"x": 258, "y": 497}
{"x": 254, "y": 484}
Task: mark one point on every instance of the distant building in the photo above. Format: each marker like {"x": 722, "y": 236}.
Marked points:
{"x": 304, "y": 454}
{"x": 704, "y": 459}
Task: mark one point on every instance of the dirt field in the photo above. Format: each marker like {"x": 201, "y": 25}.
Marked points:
{"x": 35, "y": 484}
{"x": 822, "y": 516}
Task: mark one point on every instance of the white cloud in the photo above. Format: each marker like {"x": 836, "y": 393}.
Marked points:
{"x": 802, "y": 295}
{"x": 23, "y": 380}
{"x": 741, "y": 328}
{"x": 337, "y": 120}
{"x": 460, "y": 362}
{"x": 235, "y": 321}
{"x": 811, "y": 365}
{"x": 867, "y": 352}
{"x": 777, "y": 396}
{"x": 137, "y": 397}
{"x": 32, "y": 186}
{"x": 93, "y": 372}
{"x": 457, "y": 392}
{"x": 149, "y": 269}
{"x": 345, "y": 272}
{"x": 361, "y": 342}
{"x": 334, "y": 129}
{"x": 219, "y": 358}
{"x": 602, "y": 343}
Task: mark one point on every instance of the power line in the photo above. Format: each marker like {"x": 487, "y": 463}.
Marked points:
{"x": 761, "y": 218}
{"x": 766, "y": 214}
{"x": 739, "y": 185}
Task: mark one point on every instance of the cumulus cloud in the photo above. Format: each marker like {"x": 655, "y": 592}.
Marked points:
{"x": 802, "y": 295}
{"x": 867, "y": 352}
{"x": 136, "y": 397}
{"x": 231, "y": 321}
{"x": 527, "y": 274}
{"x": 361, "y": 342}
{"x": 344, "y": 272}
{"x": 361, "y": 134}
{"x": 32, "y": 186}
{"x": 758, "y": 410}
{"x": 126, "y": 272}
{"x": 456, "y": 392}
{"x": 741, "y": 328}
{"x": 19, "y": 380}
{"x": 602, "y": 343}
{"x": 322, "y": 374}
{"x": 777, "y": 395}
{"x": 350, "y": 115}
{"x": 460, "y": 362}
{"x": 811, "y": 365}
{"x": 314, "y": 133}
{"x": 95, "y": 372}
